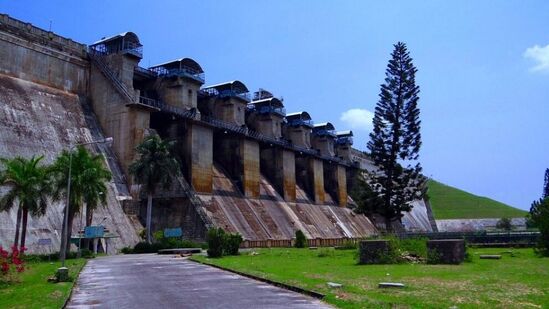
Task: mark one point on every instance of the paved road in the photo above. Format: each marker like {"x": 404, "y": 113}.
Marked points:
{"x": 153, "y": 281}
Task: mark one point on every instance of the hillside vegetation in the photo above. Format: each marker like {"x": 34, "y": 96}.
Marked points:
{"x": 451, "y": 203}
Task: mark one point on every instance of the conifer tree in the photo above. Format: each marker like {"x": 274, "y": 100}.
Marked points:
{"x": 395, "y": 141}
{"x": 546, "y": 184}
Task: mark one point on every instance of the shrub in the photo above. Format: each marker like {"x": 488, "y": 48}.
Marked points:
{"x": 87, "y": 254}
{"x": 144, "y": 247}
{"x": 300, "y": 239}
{"x": 11, "y": 263}
{"x": 407, "y": 250}
{"x": 416, "y": 246}
{"x": 504, "y": 224}
{"x": 433, "y": 257}
{"x": 215, "y": 238}
{"x": 127, "y": 250}
{"x": 231, "y": 244}
{"x": 158, "y": 235}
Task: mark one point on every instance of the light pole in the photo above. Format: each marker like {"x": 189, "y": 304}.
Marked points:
{"x": 64, "y": 232}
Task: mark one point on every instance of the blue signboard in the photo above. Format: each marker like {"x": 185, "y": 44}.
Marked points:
{"x": 96, "y": 231}
{"x": 44, "y": 242}
{"x": 176, "y": 232}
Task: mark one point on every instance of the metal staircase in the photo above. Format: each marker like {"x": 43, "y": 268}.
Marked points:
{"x": 195, "y": 201}
{"x": 98, "y": 59}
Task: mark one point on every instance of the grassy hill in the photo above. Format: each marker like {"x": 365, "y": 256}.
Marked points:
{"x": 451, "y": 203}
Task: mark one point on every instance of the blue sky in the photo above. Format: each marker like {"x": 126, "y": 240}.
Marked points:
{"x": 483, "y": 68}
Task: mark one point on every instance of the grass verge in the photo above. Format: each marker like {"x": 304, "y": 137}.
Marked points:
{"x": 515, "y": 281}
{"x": 33, "y": 289}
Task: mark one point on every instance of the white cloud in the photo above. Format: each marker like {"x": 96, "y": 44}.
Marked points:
{"x": 358, "y": 119}
{"x": 540, "y": 54}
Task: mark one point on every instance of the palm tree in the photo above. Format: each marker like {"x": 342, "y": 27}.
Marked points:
{"x": 29, "y": 185}
{"x": 88, "y": 183}
{"x": 155, "y": 167}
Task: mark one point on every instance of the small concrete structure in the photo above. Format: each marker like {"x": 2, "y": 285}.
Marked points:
{"x": 390, "y": 285}
{"x": 297, "y": 129}
{"x": 446, "y": 251}
{"x": 323, "y": 138}
{"x": 227, "y": 102}
{"x": 178, "y": 82}
{"x": 334, "y": 285}
{"x": 372, "y": 251}
{"x": 343, "y": 145}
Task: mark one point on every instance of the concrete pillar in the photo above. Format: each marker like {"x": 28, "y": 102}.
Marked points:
{"x": 279, "y": 166}
{"x": 240, "y": 159}
{"x": 199, "y": 157}
{"x": 249, "y": 159}
{"x": 310, "y": 176}
{"x": 335, "y": 182}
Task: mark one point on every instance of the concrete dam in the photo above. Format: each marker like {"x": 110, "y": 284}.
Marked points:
{"x": 247, "y": 165}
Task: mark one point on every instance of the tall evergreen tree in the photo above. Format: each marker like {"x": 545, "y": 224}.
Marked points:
{"x": 546, "y": 184}
{"x": 395, "y": 141}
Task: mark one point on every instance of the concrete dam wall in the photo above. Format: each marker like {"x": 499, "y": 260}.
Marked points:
{"x": 40, "y": 120}
{"x": 247, "y": 165}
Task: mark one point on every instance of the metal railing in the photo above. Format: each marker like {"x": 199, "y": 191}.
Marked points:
{"x": 184, "y": 71}
{"x": 97, "y": 59}
{"x": 300, "y": 122}
{"x": 323, "y": 132}
{"x": 145, "y": 71}
{"x": 267, "y": 110}
{"x": 226, "y": 93}
{"x": 125, "y": 47}
{"x": 347, "y": 140}
{"x": 133, "y": 48}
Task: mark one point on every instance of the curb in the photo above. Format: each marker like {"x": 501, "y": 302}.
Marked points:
{"x": 74, "y": 286}
{"x": 292, "y": 288}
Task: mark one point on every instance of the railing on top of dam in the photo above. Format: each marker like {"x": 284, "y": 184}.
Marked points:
{"x": 192, "y": 114}
{"x": 97, "y": 58}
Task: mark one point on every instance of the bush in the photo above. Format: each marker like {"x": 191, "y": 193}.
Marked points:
{"x": 407, "y": 250}
{"x": 300, "y": 239}
{"x": 11, "y": 263}
{"x": 231, "y": 244}
{"x": 87, "y": 254}
{"x": 416, "y": 246}
{"x": 144, "y": 247}
{"x": 504, "y": 224}
{"x": 215, "y": 238}
{"x": 127, "y": 250}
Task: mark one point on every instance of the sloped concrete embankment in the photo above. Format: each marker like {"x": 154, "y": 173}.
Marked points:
{"x": 271, "y": 218}
{"x": 39, "y": 120}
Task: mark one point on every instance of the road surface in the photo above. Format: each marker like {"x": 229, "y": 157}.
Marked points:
{"x": 158, "y": 281}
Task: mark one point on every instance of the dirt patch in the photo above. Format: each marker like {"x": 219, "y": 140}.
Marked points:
{"x": 56, "y": 294}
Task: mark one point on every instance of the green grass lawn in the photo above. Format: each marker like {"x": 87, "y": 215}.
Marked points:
{"x": 451, "y": 203}
{"x": 34, "y": 291}
{"x": 512, "y": 282}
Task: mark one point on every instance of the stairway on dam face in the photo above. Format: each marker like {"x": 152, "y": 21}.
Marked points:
{"x": 36, "y": 120}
